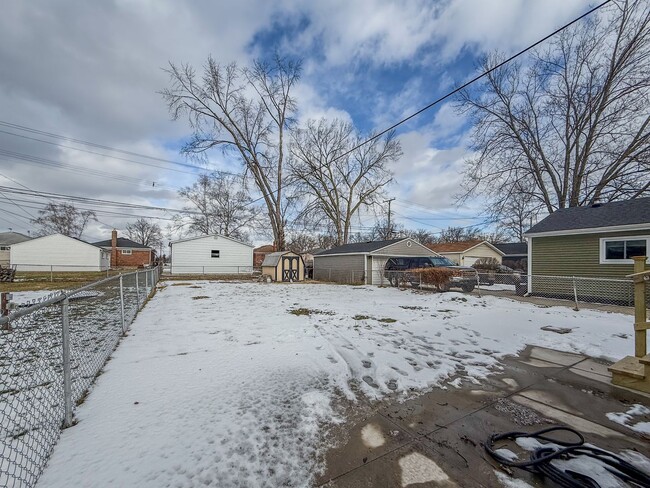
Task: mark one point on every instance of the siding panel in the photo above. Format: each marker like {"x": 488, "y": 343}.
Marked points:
{"x": 60, "y": 252}
{"x": 340, "y": 269}
{"x": 194, "y": 256}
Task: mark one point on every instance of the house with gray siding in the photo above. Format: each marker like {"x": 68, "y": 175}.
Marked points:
{"x": 364, "y": 262}
{"x": 598, "y": 241}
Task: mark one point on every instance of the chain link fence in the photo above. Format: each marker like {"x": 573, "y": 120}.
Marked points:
{"x": 51, "y": 351}
{"x": 606, "y": 291}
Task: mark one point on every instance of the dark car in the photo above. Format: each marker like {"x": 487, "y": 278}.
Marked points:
{"x": 397, "y": 270}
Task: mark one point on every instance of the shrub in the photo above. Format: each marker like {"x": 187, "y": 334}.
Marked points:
{"x": 487, "y": 264}
{"x": 435, "y": 276}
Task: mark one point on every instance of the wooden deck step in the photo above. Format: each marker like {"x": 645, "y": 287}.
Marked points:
{"x": 645, "y": 360}
{"x": 628, "y": 366}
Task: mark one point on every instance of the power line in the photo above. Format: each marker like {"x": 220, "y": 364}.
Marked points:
{"x": 422, "y": 208}
{"x": 451, "y": 93}
{"x": 200, "y": 168}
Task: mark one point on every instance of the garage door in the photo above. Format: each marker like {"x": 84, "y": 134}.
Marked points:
{"x": 469, "y": 260}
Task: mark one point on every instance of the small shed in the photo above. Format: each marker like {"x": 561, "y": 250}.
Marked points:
{"x": 284, "y": 266}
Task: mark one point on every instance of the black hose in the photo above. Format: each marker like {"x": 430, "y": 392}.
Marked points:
{"x": 541, "y": 459}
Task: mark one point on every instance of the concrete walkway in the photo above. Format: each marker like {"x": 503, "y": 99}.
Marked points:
{"x": 437, "y": 439}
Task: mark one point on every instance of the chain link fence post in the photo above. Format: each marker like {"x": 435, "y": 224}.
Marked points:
{"x": 67, "y": 376}
{"x": 122, "y": 304}
{"x": 146, "y": 283}
{"x": 575, "y": 294}
{"x": 137, "y": 291}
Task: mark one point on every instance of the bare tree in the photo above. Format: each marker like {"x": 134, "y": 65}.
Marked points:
{"x": 423, "y": 236}
{"x": 302, "y": 242}
{"x": 220, "y": 204}
{"x": 63, "y": 218}
{"x": 337, "y": 176}
{"x": 246, "y": 112}
{"x": 145, "y": 232}
{"x": 573, "y": 124}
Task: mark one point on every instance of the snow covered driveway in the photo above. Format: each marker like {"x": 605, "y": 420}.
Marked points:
{"x": 233, "y": 384}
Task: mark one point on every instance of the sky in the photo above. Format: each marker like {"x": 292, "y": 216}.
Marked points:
{"x": 92, "y": 71}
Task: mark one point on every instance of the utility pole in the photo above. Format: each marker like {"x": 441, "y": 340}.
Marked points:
{"x": 390, "y": 229}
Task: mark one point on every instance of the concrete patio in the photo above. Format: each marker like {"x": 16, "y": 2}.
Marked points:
{"x": 437, "y": 438}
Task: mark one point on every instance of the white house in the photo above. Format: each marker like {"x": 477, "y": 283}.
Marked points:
{"x": 57, "y": 252}
{"x": 215, "y": 254}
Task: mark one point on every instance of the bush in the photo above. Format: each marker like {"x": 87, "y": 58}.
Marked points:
{"x": 487, "y": 264}
{"x": 435, "y": 276}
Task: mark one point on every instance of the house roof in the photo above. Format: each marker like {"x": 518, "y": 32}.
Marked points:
{"x": 614, "y": 214}
{"x": 265, "y": 248}
{"x": 62, "y": 235}
{"x": 122, "y": 242}
{"x": 461, "y": 246}
{"x": 360, "y": 247}
{"x": 513, "y": 248}
{"x": 273, "y": 258}
{"x": 211, "y": 235}
{"x": 9, "y": 238}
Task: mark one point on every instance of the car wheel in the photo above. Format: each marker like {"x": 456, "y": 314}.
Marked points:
{"x": 444, "y": 287}
{"x": 467, "y": 288}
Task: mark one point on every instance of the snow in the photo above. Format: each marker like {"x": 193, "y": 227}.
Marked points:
{"x": 23, "y": 297}
{"x": 627, "y": 418}
{"x": 510, "y": 482}
{"x": 233, "y": 390}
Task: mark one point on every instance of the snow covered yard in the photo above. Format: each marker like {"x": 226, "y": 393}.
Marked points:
{"x": 234, "y": 384}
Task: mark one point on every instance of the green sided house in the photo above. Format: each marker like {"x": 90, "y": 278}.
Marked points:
{"x": 598, "y": 241}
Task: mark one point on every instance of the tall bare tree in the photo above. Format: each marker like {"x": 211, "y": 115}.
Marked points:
{"x": 335, "y": 175}
{"x": 573, "y": 124}
{"x": 145, "y": 232}
{"x": 220, "y": 204}
{"x": 246, "y": 112}
{"x": 63, "y": 218}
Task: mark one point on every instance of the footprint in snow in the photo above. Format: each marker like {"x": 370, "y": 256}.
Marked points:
{"x": 403, "y": 373}
{"x": 392, "y": 385}
{"x": 332, "y": 360}
{"x": 370, "y": 381}
{"x": 366, "y": 363}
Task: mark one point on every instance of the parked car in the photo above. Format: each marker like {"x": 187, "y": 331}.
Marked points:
{"x": 397, "y": 270}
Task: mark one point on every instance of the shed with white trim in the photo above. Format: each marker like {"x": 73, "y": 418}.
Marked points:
{"x": 214, "y": 254}
{"x": 284, "y": 266}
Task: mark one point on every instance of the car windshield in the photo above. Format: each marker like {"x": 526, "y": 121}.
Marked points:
{"x": 440, "y": 261}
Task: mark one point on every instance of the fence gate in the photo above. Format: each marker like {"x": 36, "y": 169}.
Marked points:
{"x": 290, "y": 269}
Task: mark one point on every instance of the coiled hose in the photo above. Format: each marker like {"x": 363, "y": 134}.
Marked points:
{"x": 541, "y": 459}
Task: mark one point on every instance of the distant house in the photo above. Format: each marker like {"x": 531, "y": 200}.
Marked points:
{"x": 515, "y": 255}
{"x": 7, "y": 239}
{"x": 214, "y": 254}
{"x": 125, "y": 252}
{"x": 364, "y": 262}
{"x": 259, "y": 253}
{"x": 466, "y": 253}
{"x": 595, "y": 241}
{"x": 58, "y": 252}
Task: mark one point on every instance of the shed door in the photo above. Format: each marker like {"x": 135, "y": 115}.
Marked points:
{"x": 290, "y": 268}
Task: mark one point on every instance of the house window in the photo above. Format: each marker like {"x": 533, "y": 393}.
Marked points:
{"x": 126, "y": 252}
{"x": 4, "y": 248}
{"x": 214, "y": 253}
{"x": 621, "y": 251}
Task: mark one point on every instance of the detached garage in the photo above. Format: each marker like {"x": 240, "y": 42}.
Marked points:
{"x": 364, "y": 262}
{"x": 59, "y": 253}
{"x": 215, "y": 254}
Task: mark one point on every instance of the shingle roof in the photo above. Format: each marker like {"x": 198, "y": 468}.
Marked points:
{"x": 454, "y": 246}
{"x": 273, "y": 258}
{"x": 513, "y": 248}
{"x": 360, "y": 247}
{"x": 121, "y": 242}
{"x": 9, "y": 238}
{"x": 628, "y": 212}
